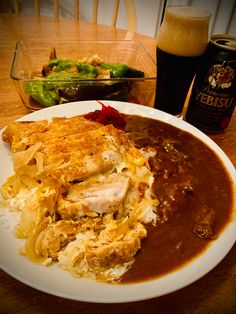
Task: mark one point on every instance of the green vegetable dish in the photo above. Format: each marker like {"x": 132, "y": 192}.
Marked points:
{"x": 66, "y": 80}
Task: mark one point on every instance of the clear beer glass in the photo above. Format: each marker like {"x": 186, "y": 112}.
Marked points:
{"x": 181, "y": 43}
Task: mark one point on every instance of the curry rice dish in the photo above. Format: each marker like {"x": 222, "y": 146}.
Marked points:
{"x": 113, "y": 205}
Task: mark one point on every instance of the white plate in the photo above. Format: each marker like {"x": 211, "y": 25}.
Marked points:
{"x": 56, "y": 281}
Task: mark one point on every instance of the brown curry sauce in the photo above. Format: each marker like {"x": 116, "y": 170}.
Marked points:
{"x": 192, "y": 185}
{"x": 189, "y": 178}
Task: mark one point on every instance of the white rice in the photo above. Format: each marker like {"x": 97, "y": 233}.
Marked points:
{"x": 8, "y": 218}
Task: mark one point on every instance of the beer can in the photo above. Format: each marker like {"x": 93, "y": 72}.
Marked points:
{"x": 213, "y": 95}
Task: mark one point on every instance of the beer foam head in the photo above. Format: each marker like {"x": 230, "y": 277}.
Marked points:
{"x": 188, "y": 12}
{"x": 184, "y": 31}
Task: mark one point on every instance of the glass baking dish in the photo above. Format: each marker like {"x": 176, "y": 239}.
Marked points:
{"x": 30, "y": 56}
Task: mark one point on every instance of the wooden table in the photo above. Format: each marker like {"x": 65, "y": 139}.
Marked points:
{"x": 214, "y": 293}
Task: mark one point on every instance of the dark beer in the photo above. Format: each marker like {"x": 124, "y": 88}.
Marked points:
{"x": 174, "y": 76}
{"x": 213, "y": 96}
{"x": 181, "y": 42}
